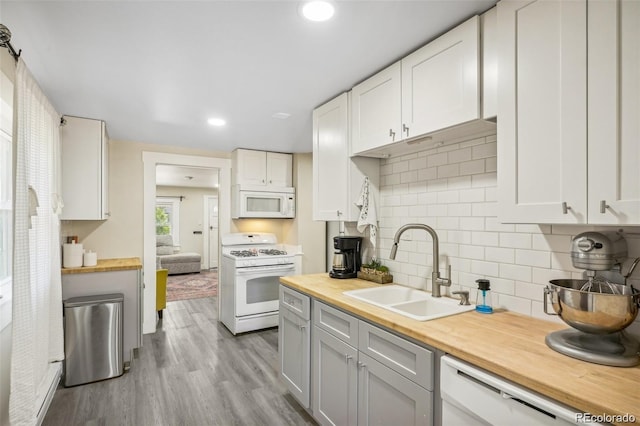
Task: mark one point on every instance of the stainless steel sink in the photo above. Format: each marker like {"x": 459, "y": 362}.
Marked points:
{"x": 410, "y": 302}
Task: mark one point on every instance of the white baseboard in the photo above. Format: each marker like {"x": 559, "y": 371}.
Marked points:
{"x": 47, "y": 389}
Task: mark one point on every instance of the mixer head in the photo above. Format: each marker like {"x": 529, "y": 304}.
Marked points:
{"x": 598, "y": 251}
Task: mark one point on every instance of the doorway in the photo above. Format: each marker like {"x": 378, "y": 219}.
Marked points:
{"x": 150, "y": 161}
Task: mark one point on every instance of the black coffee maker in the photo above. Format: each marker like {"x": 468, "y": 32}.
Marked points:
{"x": 347, "y": 258}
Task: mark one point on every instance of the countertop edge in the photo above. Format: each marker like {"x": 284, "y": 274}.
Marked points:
{"x": 106, "y": 265}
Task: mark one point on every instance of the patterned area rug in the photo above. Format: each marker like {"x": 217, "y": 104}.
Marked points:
{"x": 192, "y": 286}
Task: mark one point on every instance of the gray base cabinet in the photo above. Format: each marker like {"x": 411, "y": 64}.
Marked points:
{"x": 365, "y": 375}
{"x": 335, "y": 380}
{"x": 294, "y": 343}
{"x": 387, "y": 398}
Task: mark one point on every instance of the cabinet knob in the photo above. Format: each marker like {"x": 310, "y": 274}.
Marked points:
{"x": 565, "y": 207}
{"x": 405, "y": 129}
{"x": 603, "y": 206}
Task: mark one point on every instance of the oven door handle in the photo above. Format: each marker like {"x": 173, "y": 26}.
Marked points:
{"x": 248, "y": 271}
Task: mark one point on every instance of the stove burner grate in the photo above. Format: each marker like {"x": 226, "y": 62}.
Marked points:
{"x": 243, "y": 253}
{"x": 272, "y": 252}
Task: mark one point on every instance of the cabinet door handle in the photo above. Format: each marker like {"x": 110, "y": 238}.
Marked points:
{"x": 405, "y": 129}
{"x": 338, "y": 212}
{"x": 565, "y": 207}
{"x": 603, "y": 206}
{"x": 302, "y": 327}
{"x": 347, "y": 358}
{"x": 392, "y": 134}
{"x": 361, "y": 365}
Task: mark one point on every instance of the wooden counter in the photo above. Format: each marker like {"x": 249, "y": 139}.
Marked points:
{"x": 507, "y": 344}
{"x": 105, "y": 265}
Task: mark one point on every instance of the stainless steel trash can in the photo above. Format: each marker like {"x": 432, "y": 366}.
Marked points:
{"x": 93, "y": 338}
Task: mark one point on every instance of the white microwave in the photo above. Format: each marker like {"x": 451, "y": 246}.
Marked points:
{"x": 254, "y": 203}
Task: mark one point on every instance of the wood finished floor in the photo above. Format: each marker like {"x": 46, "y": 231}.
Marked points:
{"x": 192, "y": 371}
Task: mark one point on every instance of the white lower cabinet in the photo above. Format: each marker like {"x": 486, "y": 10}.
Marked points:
{"x": 350, "y": 387}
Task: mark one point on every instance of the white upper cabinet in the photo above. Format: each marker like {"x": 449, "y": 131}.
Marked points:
{"x": 489, "y": 37}
{"x": 376, "y": 106}
{"x": 338, "y": 179}
{"x": 562, "y": 159}
{"x": 85, "y": 169}
{"x": 440, "y": 82}
{"x": 262, "y": 169}
{"x": 613, "y": 156}
{"x": 429, "y": 92}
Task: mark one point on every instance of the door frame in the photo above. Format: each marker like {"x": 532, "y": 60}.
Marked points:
{"x": 206, "y": 231}
{"x": 150, "y": 161}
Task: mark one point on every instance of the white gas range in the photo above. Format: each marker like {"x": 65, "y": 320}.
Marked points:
{"x": 252, "y": 264}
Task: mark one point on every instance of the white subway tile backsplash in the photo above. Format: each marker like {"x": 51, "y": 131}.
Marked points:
{"x": 485, "y": 150}
{"x": 472, "y": 167}
{"x": 447, "y": 197}
{"x": 514, "y": 240}
{"x": 490, "y": 164}
{"x": 461, "y": 209}
{"x": 484, "y": 238}
{"x": 471, "y": 252}
{"x": 500, "y": 255}
{"x": 483, "y": 180}
{"x": 485, "y": 269}
{"x": 449, "y": 170}
{"x": 428, "y": 173}
{"x": 407, "y": 177}
{"x": 418, "y": 163}
{"x": 492, "y": 224}
{"x": 471, "y": 195}
{"x": 437, "y": 159}
{"x": 515, "y": 304}
{"x": 453, "y": 188}
{"x": 460, "y": 155}
{"x": 515, "y": 272}
{"x": 540, "y": 259}
{"x": 401, "y": 166}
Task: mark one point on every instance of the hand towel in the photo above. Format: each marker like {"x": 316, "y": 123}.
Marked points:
{"x": 368, "y": 215}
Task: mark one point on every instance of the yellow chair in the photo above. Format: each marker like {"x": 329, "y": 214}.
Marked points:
{"x": 161, "y": 290}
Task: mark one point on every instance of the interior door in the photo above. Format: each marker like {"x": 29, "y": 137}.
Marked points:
{"x": 212, "y": 223}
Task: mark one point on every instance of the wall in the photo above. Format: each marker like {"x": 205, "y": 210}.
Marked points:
{"x": 453, "y": 190}
{"x": 303, "y": 230}
{"x": 122, "y": 234}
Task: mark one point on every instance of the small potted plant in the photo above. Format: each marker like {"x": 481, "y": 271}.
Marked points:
{"x": 375, "y": 271}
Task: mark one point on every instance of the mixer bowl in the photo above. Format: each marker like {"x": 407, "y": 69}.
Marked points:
{"x": 590, "y": 311}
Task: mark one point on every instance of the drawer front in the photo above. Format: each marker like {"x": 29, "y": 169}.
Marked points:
{"x": 296, "y": 302}
{"x": 335, "y": 322}
{"x": 410, "y": 360}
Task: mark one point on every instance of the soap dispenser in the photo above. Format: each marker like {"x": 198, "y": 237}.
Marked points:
{"x": 483, "y": 298}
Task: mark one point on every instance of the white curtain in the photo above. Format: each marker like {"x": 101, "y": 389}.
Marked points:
{"x": 37, "y": 290}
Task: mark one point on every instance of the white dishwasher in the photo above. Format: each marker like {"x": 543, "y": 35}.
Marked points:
{"x": 471, "y": 396}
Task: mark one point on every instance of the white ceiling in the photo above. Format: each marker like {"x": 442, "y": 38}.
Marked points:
{"x": 155, "y": 71}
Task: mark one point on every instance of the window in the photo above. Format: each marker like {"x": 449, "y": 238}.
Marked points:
{"x": 168, "y": 218}
{"x": 6, "y": 191}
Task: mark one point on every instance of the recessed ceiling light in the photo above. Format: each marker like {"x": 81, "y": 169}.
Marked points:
{"x": 318, "y": 10}
{"x": 216, "y": 122}
{"x": 281, "y": 115}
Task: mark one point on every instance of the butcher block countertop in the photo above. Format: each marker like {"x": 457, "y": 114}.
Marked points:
{"x": 505, "y": 343}
{"x": 107, "y": 265}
